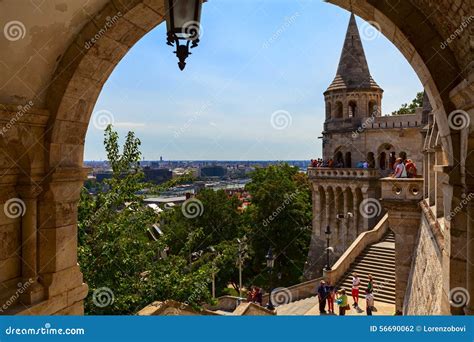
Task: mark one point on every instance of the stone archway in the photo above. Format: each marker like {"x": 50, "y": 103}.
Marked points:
{"x": 414, "y": 27}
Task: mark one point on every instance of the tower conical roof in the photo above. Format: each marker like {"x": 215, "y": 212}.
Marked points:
{"x": 353, "y": 71}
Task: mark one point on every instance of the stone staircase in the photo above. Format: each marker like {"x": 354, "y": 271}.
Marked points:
{"x": 379, "y": 260}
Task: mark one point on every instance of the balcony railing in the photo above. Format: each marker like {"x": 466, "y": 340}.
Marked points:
{"x": 326, "y": 172}
{"x": 403, "y": 189}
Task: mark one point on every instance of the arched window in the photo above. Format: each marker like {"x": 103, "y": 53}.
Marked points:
{"x": 373, "y": 108}
{"x": 328, "y": 110}
{"x": 352, "y": 109}
{"x": 383, "y": 161}
{"x": 348, "y": 160}
{"x": 371, "y": 160}
{"x": 338, "y": 159}
{"x": 338, "y": 111}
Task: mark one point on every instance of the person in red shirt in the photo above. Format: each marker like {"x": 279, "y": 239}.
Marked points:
{"x": 411, "y": 168}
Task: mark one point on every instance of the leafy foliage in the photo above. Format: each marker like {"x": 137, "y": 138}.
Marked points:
{"x": 114, "y": 250}
{"x": 280, "y": 218}
{"x": 116, "y": 253}
{"x": 410, "y": 108}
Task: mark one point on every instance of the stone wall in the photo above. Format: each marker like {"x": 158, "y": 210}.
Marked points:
{"x": 424, "y": 290}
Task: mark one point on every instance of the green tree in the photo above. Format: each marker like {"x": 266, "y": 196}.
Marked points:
{"x": 204, "y": 231}
{"x": 410, "y": 108}
{"x": 117, "y": 258}
{"x": 278, "y": 217}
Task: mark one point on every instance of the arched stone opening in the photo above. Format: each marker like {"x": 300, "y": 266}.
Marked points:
{"x": 83, "y": 70}
{"x": 338, "y": 112}
{"x": 352, "y": 109}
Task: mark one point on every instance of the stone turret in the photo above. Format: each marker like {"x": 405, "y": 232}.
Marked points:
{"x": 353, "y": 93}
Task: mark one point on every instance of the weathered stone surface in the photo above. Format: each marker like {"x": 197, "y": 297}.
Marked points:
{"x": 425, "y": 285}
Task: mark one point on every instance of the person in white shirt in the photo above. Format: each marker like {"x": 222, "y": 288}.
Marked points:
{"x": 355, "y": 289}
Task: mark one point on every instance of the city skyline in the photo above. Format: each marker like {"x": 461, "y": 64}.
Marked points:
{"x": 214, "y": 122}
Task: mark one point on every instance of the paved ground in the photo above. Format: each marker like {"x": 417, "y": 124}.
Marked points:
{"x": 310, "y": 306}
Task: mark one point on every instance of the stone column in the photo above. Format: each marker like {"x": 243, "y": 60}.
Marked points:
{"x": 404, "y": 216}
{"x": 469, "y": 308}
{"x": 355, "y": 213}
{"x": 59, "y": 270}
{"x": 461, "y": 186}
{"x": 347, "y": 238}
{"x": 33, "y": 290}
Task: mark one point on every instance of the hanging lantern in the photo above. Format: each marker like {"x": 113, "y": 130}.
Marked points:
{"x": 183, "y": 26}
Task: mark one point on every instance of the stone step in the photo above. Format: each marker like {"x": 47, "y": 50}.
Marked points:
{"x": 382, "y": 290}
{"x": 385, "y": 288}
{"x": 376, "y": 263}
{"x": 363, "y": 270}
{"x": 381, "y": 250}
{"x": 376, "y": 256}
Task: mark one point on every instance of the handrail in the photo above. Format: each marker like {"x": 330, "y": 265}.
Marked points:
{"x": 364, "y": 239}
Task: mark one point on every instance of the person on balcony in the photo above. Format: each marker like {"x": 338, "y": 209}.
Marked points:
{"x": 400, "y": 169}
{"x": 411, "y": 168}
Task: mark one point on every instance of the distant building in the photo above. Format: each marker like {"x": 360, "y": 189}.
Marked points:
{"x": 157, "y": 176}
{"x": 100, "y": 176}
{"x": 213, "y": 171}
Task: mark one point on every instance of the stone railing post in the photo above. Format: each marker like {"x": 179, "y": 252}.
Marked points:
{"x": 33, "y": 290}
{"x": 401, "y": 197}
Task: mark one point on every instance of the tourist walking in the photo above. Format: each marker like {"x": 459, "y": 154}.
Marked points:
{"x": 330, "y": 296}
{"x": 322, "y": 296}
{"x": 355, "y": 289}
{"x": 369, "y": 303}
{"x": 370, "y": 284}
{"x": 342, "y": 302}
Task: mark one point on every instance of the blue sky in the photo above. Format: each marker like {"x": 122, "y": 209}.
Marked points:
{"x": 256, "y": 58}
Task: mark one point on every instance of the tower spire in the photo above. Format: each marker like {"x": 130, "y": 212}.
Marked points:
{"x": 353, "y": 71}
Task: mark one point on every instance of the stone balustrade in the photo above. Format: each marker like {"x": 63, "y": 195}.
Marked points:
{"x": 295, "y": 292}
{"x": 326, "y": 172}
{"x": 365, "y": 239}
{"x": 403, "y": 189}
